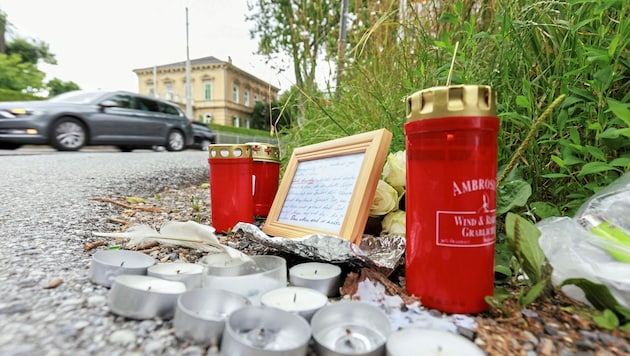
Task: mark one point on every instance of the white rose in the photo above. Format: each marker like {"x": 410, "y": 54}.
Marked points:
{"x": 385, "y": 199}
{"x": 394, "y": 223}
{"x": 395, "y": 169}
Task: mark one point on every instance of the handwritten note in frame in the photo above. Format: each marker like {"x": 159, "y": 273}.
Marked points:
{"x": 328, "y": 187}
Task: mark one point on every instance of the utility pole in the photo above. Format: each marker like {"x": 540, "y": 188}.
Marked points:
{"x": 189, "y": 110}
{"x": 341, "y": 45}
{"x": 155, "y": 93}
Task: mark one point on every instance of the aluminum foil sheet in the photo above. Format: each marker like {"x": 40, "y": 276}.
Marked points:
{"x": 384, "y": 253}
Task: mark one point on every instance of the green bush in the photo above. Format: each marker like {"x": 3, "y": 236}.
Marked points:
{"x": 10, "y": 95}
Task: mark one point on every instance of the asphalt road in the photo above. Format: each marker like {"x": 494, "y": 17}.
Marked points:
{"x": 45, "y": 219}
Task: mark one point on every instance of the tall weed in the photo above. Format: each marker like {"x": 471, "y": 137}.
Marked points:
{"x": 530, "y": 53}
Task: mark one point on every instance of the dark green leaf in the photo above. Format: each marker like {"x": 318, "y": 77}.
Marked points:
{"x": 522, "y": 102}
{"x": 555, "y": 175}
{"x": 544, "y": 210}
{"x": 595, "y": 152}
{"x": 533, "y": 293}
{"x": 620, "y": 110}
{"x": 523, "y": 236}
{"x": 607, "y": 320}
{"x": 603, "y": 77}
{"x": 595, "y": 167}
{"x": 620, "y": 162}
{"x": 512, "y": 193}
{"x": 599, "y": 296}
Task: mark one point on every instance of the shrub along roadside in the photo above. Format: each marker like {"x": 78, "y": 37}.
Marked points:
{"x": 531, "y": 54}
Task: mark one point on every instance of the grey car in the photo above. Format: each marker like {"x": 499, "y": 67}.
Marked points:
{"x": 79, "y": 118}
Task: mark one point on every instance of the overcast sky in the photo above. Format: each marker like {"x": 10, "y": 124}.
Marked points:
{"x": 99, "y": 43}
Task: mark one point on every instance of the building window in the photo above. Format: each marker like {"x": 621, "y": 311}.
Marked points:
{"x": 169, "y": 92}
{"x": 255, "y": 98}
{"x": 207, "y": 90}
{"x": 151, "y": 91}
{"x": 246, "y": 97}
{"x": 235, "y": 93}
{"x": 236, "y": 121}
{"x": 248, "y": 123}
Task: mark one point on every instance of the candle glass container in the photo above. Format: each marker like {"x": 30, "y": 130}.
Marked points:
{"x": 430, "y": 342}
{"x": 323, "y": 277}
{"x": 350, "y": 328}
{"x": 188, "y": 273}
{"x": 200, "y": 314}
{"x": 144, "y": 297}
{"x": 266, "y": 172}
{"x": 270, "y": 272}
{"x": 265, "y": 331}
{"x": 301, "y": 301}
{"x": 451, "y": 146}
{"x": 222, "y": 264}
{"x": 107, "y": 264}
{"x": 231, "y": 185}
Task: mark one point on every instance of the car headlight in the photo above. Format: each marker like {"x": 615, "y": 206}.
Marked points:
{"x": 17, "y": 112}
{"x": 6, "y": 114}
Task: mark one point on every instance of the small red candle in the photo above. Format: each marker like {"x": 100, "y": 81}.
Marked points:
{"x": 230, "y": 185}
{"x": 266, "y": 171}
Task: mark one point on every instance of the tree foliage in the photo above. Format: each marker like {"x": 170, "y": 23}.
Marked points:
{"x": 56, "y": 86}
{"x": 303, "y": 29}
{"x": 31, "y": 51}
{"x": 274, "y": 114}
{"x": 15, "y": 74}
{"x": 19, "y": 58}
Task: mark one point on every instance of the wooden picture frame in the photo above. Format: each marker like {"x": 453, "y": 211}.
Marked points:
{"x": 328, "y": 187}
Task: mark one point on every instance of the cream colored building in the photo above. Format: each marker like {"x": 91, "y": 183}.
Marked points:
{"x": 221, "y": 92}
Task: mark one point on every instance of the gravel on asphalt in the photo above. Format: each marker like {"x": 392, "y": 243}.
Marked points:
{"x": 45, "y": 219}
{"x": 48, "y": 305}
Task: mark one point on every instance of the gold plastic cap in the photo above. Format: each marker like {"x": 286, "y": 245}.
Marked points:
{"x": 265, "y": 152}
{"x": 449, "y": 101}
{"x": 230, "y": 151}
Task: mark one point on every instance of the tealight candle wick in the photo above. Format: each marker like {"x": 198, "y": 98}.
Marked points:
{"x": 348, "y": 339}
{"x": 122, "y": 263}
{"x": 261, "y": 336}
{"x": 294, "y": 297}
{"x": 149, "y": 288}
{"x": 177, "y": 272}
{"x": 315, "y": 272}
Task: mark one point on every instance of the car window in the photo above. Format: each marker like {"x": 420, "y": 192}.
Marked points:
{"x": 123, "y": 101}
{"x": 168, "y": 109}
{"x": 147, "y": 105}
{"x": 78, "y": 97}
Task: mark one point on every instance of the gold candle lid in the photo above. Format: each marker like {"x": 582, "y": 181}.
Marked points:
{"x": 265, "y": 152}
{"x": 230, "y": 151}
{"x": 450, "y": 101}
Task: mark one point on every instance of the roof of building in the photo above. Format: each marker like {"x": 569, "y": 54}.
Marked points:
{"x": 195, "y": 62}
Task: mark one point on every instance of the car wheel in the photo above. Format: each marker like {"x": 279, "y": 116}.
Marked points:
{"x": 175, "y": 141}
{"x": 125, "y": 148}
{"x": 68, "y": 134}
{"x": 204, "y": 144}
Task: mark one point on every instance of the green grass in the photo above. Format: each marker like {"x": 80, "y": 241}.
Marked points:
{"x": 531, "y": 54}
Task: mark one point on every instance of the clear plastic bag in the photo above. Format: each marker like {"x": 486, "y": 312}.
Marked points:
{"x": 591, "y": 245}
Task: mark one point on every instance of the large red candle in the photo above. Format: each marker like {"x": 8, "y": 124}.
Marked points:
{"x": 451, "y": 144}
